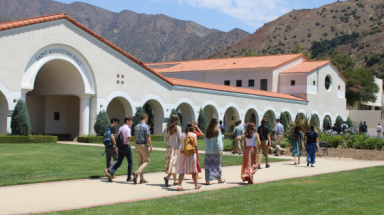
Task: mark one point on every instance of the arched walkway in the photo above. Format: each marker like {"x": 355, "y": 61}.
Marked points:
{"x": 316, "y": 117}
{"x": 329, "y": 119}
{"x": 230, "y": 114}
{"x": 271, "y": 116}
{"x": 158, "y": 112}
{"x": 187, "y": 114}
{"x": 289, "y": 117}
{"x": 210, "y": 112}
{"x": 252, "y": 116}
{"x": 3, "y": 113}
{"x": 119, "y": 107}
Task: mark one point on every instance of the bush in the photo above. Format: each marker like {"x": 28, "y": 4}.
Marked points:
{"x": 339, "y": 122}
{"x": 325, "y": 123}
{"x": 284, "y": 121}
{"x": 20, "y": 121}
{"x": 102, "y": 122}
{"x": 99, "y": 139}
{"x": 202, "y": 121}
{"x": 28, "y": 139}
{"x": 357, "y": 141}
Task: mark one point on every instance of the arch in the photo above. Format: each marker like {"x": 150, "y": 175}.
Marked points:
{"x": 288, "y": 113}
{"x": 59, "y": 52}
{"x": 211, "y": 109}
{"x": 252, "y": 115}
{"x": 231, "y": 113}
{"x": 3, "y": 113}
{"x": 329, "y": 119}
{"x": 124, "y": 97}
{"x": 271, "y": 113}
{"x": 158, "y": 112}
{"x": 187, "y": 112}
{"x": 317, "y": 119}
{"x": 119, "y": 107}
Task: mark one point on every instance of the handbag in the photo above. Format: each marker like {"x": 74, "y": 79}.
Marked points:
{"x": 302, "y": 146}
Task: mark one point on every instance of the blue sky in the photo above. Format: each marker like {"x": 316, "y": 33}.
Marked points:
{"x": 223, "y": 15}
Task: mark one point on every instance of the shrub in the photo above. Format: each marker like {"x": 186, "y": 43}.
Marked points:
{"x": 202, "y": 121}
{"x": 28, "y": 139}
{"x": 20, "y": 121}
{"x": 269, "y": 123}
{"x": 325, "y": 123}
{"x": 339, "y": 122}
{"x": 309, "y": 35}
{"x": 102, "y": 122}
{"x": 284, "y": 121}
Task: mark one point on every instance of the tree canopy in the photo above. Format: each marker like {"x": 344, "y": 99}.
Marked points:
{"x": 20, "y": 121}
{"x": 343, "y": 62}
{"x": 102, "y": 122}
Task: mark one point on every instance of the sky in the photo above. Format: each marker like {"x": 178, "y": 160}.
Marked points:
{"x": 224, "y": 15}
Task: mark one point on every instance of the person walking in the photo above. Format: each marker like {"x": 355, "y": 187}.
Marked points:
{"x": 360, "y": 127}
{"x": 222, "y": 128}
{"x": 142, "y": 140}
{"x": 312, "y": 141}
{"x": 198, "y": 133}
{"x": 250, "y": 157}
{"x": 364, "y": 128}
{"x": 186, "y": 162}
{"x": 124, "y": 151}
{"x": 378, "y": 129}
{"x": 213, "y": 152}
{"x": 173, "y": 138}
{"x": 242, "y": 134}
{"x": 265, "y": 141}
{"x": 278, "y": 133}
{"x": 111, "y": 149}
{"x": 296, "y": 138}
{"x": 237, "y": 132}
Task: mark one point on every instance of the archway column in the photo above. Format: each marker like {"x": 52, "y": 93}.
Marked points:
{"x": 84, "y": 114}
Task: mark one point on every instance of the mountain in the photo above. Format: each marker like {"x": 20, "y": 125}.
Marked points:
{"x": 150, "y": 38}
{"x": 2, "y": 19}
{"x": 331, "y": 26}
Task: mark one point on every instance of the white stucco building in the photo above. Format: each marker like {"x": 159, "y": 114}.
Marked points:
{"x": 67, "y": 73}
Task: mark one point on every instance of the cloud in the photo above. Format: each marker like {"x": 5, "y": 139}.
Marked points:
{"x": 252, "y": 12}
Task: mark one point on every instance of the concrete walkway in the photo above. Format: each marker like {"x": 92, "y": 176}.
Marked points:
{"x": 54, "y": 196}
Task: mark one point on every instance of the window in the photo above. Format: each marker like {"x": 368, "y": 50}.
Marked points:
{"x": 239, "y": 83}
{"x": 56, "y": 116}
{"x": 251, "y": 83}
{"x": 339, "y": 87}
{"x": 264, "y": 84}
{"x": 118, "y": 76}
{"x": 314, "y": 83}
{"x": 327, "y": 82}
{"x": 293, "y": 82}
{"x": 227, "y": 83}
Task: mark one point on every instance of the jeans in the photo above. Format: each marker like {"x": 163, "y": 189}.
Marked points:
{"x": 311, "y": 153}
{"x": 124, "y": 151}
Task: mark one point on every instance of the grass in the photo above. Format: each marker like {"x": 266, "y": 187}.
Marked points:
{"x": 35, "y": 163}
{"x": 350, "y": 192}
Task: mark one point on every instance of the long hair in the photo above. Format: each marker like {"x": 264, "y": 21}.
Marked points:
{"x": 213, "y": 128}
{"x": 172, "y": 127}
{"x": 313, "y": 128}
{"x": 189, "y": 128}
{"x": 251, "y": 130}
{"x": 296, "y": 132}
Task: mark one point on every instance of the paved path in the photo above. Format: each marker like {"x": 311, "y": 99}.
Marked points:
{"x": 84, "y": 193}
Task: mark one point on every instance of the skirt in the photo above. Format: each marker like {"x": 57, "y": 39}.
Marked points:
{"x": 198, "y": 164}
{"x": 250, "y": 163}
{"x": 186, "y": 164}
{"x": 170, "y": 160}
{"x": 212, "y": 166}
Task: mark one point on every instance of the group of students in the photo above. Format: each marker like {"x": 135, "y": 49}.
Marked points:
{"x": 182, "y": 156}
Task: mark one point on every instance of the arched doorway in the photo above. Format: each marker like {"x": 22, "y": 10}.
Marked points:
{"x": 186, "y": 114}
{"x": 3, "y": 113}
{"x": 271, "y": 116}
{"x": 210, "y": 112}
{"x": 231, "y": 114}
{"x": 119, "y": 107}
{"x": 252, "y": 117}
{"x": 158, "y": 116}
{"x": 54, "y": 102}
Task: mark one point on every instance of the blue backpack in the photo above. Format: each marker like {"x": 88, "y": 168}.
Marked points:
{"x": 107, "y": 138}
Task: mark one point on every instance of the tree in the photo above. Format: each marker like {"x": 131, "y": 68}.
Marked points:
{"x": 325, "y": 123}
{"x": 360, "y": 87}
{"x": 202, "y": 121}
{"x": 20, "y": 121}
{"x": 101, "y": 123}
{"x": 137, "y": 118}
{"x": 284, "y": 120}
{"x": 349, "y": 122}
{"x": 299, "y": 49}
{"x": 343, "y": 62}
{"x": 314, "y": 121}
{"x": 149, "y": 112}
{"x": 174, "y": 112}
{"x": 339, "y": 122}
{"x": 269, "y": 124}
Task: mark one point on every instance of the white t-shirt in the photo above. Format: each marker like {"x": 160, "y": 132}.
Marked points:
{"x": 251, "y": 141}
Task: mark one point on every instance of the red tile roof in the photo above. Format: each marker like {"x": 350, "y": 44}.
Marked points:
{"x": 35, "y": 20}
{"x": 270, "y": 61}
{"x": 307, "y": 67}
{"x": 219, "y": 87}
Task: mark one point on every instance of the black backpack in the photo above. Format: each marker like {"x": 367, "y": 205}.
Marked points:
{"x": 120, "y": 140}
{"x": 364, "y": 128}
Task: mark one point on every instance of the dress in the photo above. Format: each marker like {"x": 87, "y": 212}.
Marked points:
{"x": 250, "y": 159}
{"x": 212, "y": 158}
{"x": 296, "y": 145}
{"x": 173, "y": 148}
{"x": 186, "y": 164}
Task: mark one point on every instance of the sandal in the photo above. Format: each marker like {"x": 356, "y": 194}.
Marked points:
{"x": 181, "y": 189}
{"x": 198, "y": 187}
{"x": 295, "y": 163}
{"x": 175, "y": 183}
{"x": 221, "y": 181}
{"x": 208, "y": 183}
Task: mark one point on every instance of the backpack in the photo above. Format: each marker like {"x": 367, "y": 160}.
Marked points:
{"x": 107, "y": 138}
{"x": 364, "y": 128}
{"x": 120, "y": 140}
{"x": 189, "y": 148}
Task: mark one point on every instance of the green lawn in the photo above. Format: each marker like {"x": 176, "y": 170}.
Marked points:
{"x": 351, "y": 192}
{"x": 43, "y": 162}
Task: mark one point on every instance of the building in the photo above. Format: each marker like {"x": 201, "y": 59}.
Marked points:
{"x": 67, "y": 73}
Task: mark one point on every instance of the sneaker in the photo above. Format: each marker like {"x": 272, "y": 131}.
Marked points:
{"x": 268, "y": 166}
{"x": 312, "y": 165}
{"x": 143, "y": 182}
{"x": 135, "y": 175}
{"x": 129, "y": 179}
{"x": 110, "y": 177}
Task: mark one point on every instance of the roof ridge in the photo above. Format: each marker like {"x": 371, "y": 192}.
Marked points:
{"x": 170, "y": 62}
{"x": 28, "y": 19}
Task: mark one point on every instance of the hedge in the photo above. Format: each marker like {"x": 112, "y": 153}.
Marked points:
{"x": 357, "y": 141}
{"x": 28, "y": 139}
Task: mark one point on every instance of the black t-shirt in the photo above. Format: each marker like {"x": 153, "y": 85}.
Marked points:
{"x": 311, "y": 137}
{"x": 263, "y": 130}
{"x": 113, "y": 129}
{"x": 364, "y": 128}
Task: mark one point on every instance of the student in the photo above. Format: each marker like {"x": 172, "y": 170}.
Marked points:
{"x": 243, "y": 132}
{"x": 334, "y": 128}
{"x": 187, "y": 164}
{"x": 142, "y": 140}
{"x": 344, "y": 126}
{"x": 213, "y": 152}
{"x": 124, "y": 151}
{"x": 265, "y": 141}
{"x": 173, "y": 138}
{"x": 250, "y": 157}
{"x": 278, "y": 133}
{"x": 378, "y": 129}
{"x": 222, "y": 128}
{"x": 296, "y": 138}
{"x": 237, "y": 132}
{"x": 364, "y": 128}
{"x": 198, "y": 133}
{"x": 111, "y": 150}
{"x": 312, "y": 142}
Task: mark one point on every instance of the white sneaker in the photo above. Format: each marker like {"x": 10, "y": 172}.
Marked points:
{"x": 312, "y": 165}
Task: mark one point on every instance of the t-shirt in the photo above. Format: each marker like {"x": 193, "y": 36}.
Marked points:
{"x": 263, "y": 131}
{"x": 126, "y": 131}
{"x": 222, "y": 128}
{"x": 329, "y": 127}
{"x": 311, "y": 137}
{"x": 113, "y": 129}
{"x": 344, "y": 126}
{"x": 242, "y": 128}
{"x": 237, "y": 130}
{"x": 334, "y": 128}
{"x": 279, "y": 128}
{"x": 378, "y": 128}
{"x": 364, "y": 128}
{"x": 251, "y": 141}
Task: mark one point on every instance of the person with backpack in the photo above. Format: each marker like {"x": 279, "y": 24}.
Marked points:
{"x": 187, "y": 159}
{"x": 122, "y": 143}
{"x": 110, "y": 144}
{"x": 364, "y": 128}
{"x": 265, "y": 141}
{"x": 378, "y": 129}
{"x": 344, "y": 127}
